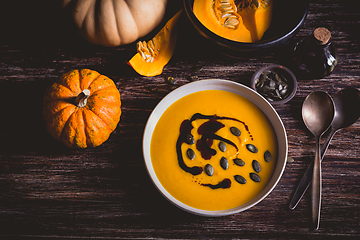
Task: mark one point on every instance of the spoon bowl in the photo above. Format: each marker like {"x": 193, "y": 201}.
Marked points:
{"x": 345, "y": 112}
{"x": 345, "y": 116}
{"x": 318, "y": 113}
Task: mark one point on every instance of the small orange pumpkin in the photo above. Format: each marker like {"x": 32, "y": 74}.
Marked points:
{"x": 82, "y": 108}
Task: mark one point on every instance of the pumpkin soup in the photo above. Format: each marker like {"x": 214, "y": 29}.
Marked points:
{"x": 213, "y": 150}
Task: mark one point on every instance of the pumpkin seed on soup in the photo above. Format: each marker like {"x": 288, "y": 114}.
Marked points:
{"x": 190, "y": 153}
{"x": 240, "y": 179}
{"x": 224, "y": 163}
{"x": 222, "y": 146}
{"x": 255, "y": 177}
{"x": 190, "y": 139}
{"x": 239, "y": 162}
{"x": 267, "y": 156}
{"x": 235, "y": 131}
{"x": 251, "y": 148}
{"x": 256, "y": 166}
{"x": 209, "y": 170}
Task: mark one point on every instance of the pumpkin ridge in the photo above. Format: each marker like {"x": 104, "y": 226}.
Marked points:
{"x": 86, "y": 78}
{"x": 95, "y": 128}
{"x": 87, "y": 136}
{"x": 70, "y": 80}
{"x": 99, "y": 117}
{"x": 70, "y": 142}
{"x": 53, "y": 114}
{"x": 57, "y": 133}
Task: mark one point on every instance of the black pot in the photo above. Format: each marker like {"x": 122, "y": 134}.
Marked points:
{"x": 287, "y": 20}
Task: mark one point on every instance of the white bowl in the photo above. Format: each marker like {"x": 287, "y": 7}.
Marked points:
{"x": 225, "y": 85}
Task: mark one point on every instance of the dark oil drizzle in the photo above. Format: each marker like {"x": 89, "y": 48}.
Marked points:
{"x": 207, "y": 130}
{"x": 203, "y": 145}
{"x": 226, "y": 183}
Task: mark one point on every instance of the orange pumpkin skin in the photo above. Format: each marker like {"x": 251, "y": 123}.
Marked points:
{"x": 86, "y": 125}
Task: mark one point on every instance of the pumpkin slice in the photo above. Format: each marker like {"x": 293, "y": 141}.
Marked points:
{"x": 256, "y": 15}
{"x": 153, "y": 55}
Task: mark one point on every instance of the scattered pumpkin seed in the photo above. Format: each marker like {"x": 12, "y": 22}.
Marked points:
{"x": 190, "y": 139}
{"x": 239, "y": 162}
{"x": 240, "y": 179}
{"x": 224, "y": 163}
{"x": 193, "y": 78}
{"x": 190, "y": 153}
{"x": 289, "y": 159}
{"x": 172, "y": 87}
{"x": 235, "y": 131}
{"x": 251, "y": 148}
{"x": 170, "y": 80}
{"x": 255, "y": 177}
{"x": 196, "y": 68}
{"x": 209, "y": 170}
{"x": 267, "y": 156}
{"x": 256, "y": 166}
{"x": 222, "y": 146}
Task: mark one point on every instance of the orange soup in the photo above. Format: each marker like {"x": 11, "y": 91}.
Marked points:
{"x": 213, "y": 150}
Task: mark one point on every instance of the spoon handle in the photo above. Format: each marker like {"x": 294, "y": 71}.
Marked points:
{"x": 307, "y": 178}
{"x": 316, "y": 187}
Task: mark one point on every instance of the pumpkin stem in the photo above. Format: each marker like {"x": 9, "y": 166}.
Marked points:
{"x": 82, "y": 98}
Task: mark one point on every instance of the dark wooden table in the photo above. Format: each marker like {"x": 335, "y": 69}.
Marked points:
{"x": 50, "y": 191}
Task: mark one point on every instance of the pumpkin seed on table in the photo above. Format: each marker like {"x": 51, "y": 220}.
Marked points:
{"x": 240, "y": 179}
{"x": 251, "y": 148}
{"x": 170, "y": 80}
{"x": 239, "y": 162}
{"x": 196, "y": 68}
{"x": 209, "y": 170}
{"x": 190, "y": 153}
{"x": 289, "y": 160}
{"x": 235, "y": 131}
{"x": 224, "y": 163}
{"x": 193, "y": 78}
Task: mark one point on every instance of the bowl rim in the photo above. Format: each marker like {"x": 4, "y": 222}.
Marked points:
{"x": 224, "y": 41}
{"x": 283, "y": 68}
{"x": 227, "y": 85}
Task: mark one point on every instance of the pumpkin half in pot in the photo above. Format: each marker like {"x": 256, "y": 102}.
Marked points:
{"x": 115, "y": 22}
{"x": 237, "y": 20}
{"x": 82, "y": 108}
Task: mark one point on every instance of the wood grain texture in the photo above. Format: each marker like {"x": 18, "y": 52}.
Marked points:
{"x": 50, "y": 191}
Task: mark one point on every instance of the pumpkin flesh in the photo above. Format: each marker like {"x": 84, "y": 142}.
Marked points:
{"x": 154, "y": 55}
{"x": 255, "y": 18}
{"x": 90, "y": 125}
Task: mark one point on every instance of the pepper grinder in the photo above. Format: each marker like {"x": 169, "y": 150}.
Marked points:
{"x": 315, "y": 56}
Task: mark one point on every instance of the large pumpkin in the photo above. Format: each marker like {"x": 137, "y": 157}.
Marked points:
{"x": 82, "y": 108}
{"x": 116, "y": 22}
